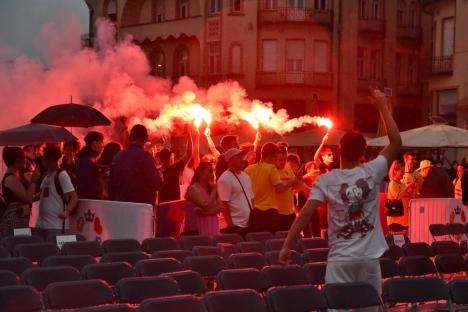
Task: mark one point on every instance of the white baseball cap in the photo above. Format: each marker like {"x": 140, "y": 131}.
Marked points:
{"x": 232, "y": 152}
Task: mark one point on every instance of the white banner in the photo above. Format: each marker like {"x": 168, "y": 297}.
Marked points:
{"x": 426, "y": 211}
{"x": 98, "y": 220}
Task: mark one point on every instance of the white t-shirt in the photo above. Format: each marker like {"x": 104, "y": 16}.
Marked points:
{"x": 352, "y": 196}
{"x": 51, "y": 204}
{"x": 230, "y": 190}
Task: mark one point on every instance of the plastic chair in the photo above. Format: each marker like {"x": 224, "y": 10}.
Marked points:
{"x": 36, "y": 252}
{"x": 131, "y": 257}
{"x": 111, "y": 273}
{"x": 315, "y": 272}
{"x": 182, "y": 303}
{"x": 136, "y": 289}
{"x": 78, "y": 261}
{"x": 151, "y": 245}
{"x": 40, "y": 277}
{"x": 155, "y": 267}
{"x": 289, "y": 275}
{"x": 247, "y": 260}
{"x": 176, "y": 254}
{"x": 207, "y": 266}
{"x": 93, "y": 249}
{"x": 351, "y": 295}
{"x": 121, "y": 245}
{"x": 296, "y": 298}
{"x": 190, "y": 282}
{"x": 20, "y": 298}
{"x": 188, "y": 242}
{"x": 241, "y": 279}
{"x": 245, "y": 300}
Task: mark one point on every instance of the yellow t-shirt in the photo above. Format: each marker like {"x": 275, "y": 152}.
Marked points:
{"x": 285, "y": 199}
{"x": 264, "y": 177}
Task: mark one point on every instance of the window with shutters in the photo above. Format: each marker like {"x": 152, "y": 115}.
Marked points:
{"x": 269, "y": 55}
{"x": 236, "y": 59}
{"x": 321, "y": 57}
{"x": 214, "y": 58}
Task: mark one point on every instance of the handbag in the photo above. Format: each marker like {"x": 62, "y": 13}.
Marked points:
{"x": 394, "y": 208}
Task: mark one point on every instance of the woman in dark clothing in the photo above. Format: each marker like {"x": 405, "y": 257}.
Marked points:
{"x": 18, "y": 193}
{"x": 104, "y": 166}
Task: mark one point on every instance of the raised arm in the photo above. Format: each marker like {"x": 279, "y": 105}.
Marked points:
{"x": 381, "y": 102}
{"x": 319, "y": 149}
{"x": 196, "y": 149}
{"x": 211, "y": 144}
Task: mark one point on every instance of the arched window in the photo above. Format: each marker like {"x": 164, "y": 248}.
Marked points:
{"x": 362, "y": 8}
{"x": 375, "y": 9}
{"x": 182, "y": 59}
{"x": 111, "y": 10}
{"x": 236, "y": 59}
{"x": 401, "y": 10}
{"x": 159, "y": 63}
{"x": 413, "y": 14}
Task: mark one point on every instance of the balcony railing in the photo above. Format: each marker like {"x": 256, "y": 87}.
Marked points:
{"x": 409, "y": 32}
{"x": 442, "y": 65}
{"x": 312, "y": 79}
{"x": 290, "y": 14}
{"x": 409, "y": 88}
{"x": 365, "y": 84}
{"x": 371, "y": 24}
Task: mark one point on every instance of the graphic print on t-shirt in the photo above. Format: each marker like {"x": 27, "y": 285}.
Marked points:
{"x": 354, "y": 197}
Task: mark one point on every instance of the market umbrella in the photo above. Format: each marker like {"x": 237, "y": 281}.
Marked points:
{"x": 71, "y": 115}
{"x": 436, "y": 135}
{"x": 313, "y": 137}
{"x": 35, "y": 134}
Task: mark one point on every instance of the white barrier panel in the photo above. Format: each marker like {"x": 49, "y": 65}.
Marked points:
{"x": 426, "y": 211}
{"x": 100, "y": 220}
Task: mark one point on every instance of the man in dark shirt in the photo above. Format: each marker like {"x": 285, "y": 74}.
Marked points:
{"x": 89, "y": 186}
{"x": 171, "y": 171}
{"x": 134, "y": 176}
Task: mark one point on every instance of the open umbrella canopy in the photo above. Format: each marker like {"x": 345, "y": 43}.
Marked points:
{"x": 71, "y": 115}
{"x": 314, "y": 137}
{"x": 436, "y": 135}
{"x": 35, "y": 134}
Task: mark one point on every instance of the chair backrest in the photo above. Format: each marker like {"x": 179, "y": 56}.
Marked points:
{"x": 416, "y": 266}
{"x": 418, "y": 249}
{"x": 247, "y": 260}
{"x": 311, "y": 243}
{"x": 190, "y": 241}
{"x": 414, "y": 290}
{"x": 190, "y": 282}
{"x": 131, "y": 257}
{"x": 40, "y": 277}
{"x": 274, "y": 244}
{"x": 351, "y": 295}
{"x": 16, "y": 265}
{"x": 315, "y": 272}
{"x": 229, "y": 238}
{"x": 77, "y": 294}
{"x": 276, "y": 275}
{"x": 117, "y": 307}
{"x": 446, "y": 247}
{"x": 155, "y": 267}
{"x": 455, "y": 228}
{"x": 296, "y": 298}
{"x": 315, "y": 255}
{"x": 245, "y": 300}
{"x": 252, "y": 246}
{"x": 388, "y": 268}
{"x": 438, "y": 230}
{"x": 450, "y": 264}
{"x": 20, "y": 298}
{"x": 151, "y": 245}
{"x": 241, "y": 279}
{"x": 10, "y": 242}
{"x": 121, "y": 245}
{"x": 8, "y": 278}
{"x": 394, "y": 252}
{"x": 261, "y": 237}
{"x": 182, "y": 303}
{"x": 36, "y": 252}
{"x": 176, "y": 254}
{"x": 136, "y": 289}
{"x": 207, "y": 251}
{"x": 111, "y": 273}
{"x": 207, "y": 266}
{"x": 281, "y": 234}
{"x": 78, "y": 261}
{"x": 4, "y": 253}
{"x": 272, "y": 257}
{"x": 458, "y": 290}
{"x": 82, "y": 248}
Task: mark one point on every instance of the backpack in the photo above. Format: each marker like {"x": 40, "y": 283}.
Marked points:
{"x": 59, "y": 188}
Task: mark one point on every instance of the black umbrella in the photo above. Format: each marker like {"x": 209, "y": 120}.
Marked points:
{"x": 35, "y": 134}
{"x": 71, "y": 115}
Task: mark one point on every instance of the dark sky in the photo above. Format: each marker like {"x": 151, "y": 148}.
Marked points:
{"x": 21, "y": 21}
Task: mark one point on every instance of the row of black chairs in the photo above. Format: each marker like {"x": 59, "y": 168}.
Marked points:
{"x": 449, "y": 229}
{"x": 423, "y": 249}
{"x": 162, "y": 294}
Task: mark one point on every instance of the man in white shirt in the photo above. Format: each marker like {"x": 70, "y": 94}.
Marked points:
{"x": 235, "y": 192}
{"x": 355, "y": 235}
{"x": 58, "y": 196}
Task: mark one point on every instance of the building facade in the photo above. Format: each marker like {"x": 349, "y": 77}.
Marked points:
{"x": 315, "y": 57}
{"x": 448, "y": 70}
